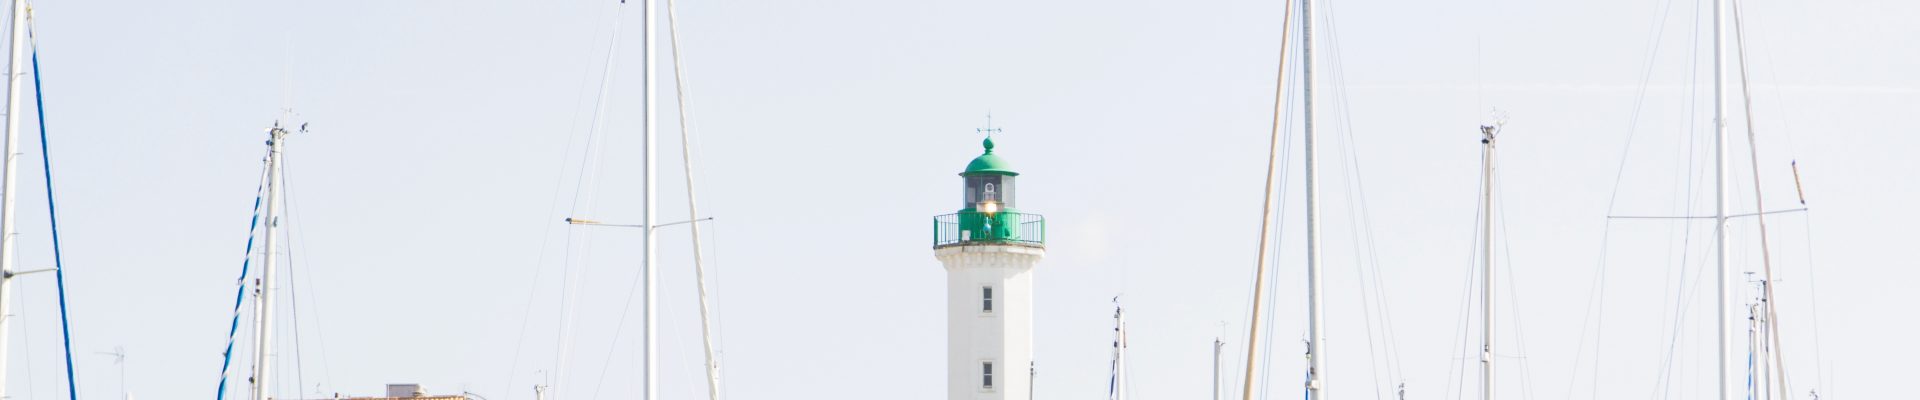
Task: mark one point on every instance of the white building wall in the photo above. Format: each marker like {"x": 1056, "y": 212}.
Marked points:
{"x": 1004, "y": 336}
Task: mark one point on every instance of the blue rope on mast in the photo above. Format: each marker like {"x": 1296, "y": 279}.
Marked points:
{"x": 1751, "y": 394}
{"x": 59, "y": 274}
{"x": 240, "y": 293}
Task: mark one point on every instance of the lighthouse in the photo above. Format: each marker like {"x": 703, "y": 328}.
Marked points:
{"x": 989, "y": 249}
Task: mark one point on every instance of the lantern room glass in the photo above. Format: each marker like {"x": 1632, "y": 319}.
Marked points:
{"x": 981, "y": 189}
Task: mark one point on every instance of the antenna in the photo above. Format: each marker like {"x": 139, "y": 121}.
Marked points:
{"x": 1495, "y": 120}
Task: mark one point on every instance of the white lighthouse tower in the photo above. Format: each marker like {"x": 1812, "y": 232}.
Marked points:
{"x": 989, "y": 249}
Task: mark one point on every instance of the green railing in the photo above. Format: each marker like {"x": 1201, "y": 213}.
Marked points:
{"x": 1007, "y": 227}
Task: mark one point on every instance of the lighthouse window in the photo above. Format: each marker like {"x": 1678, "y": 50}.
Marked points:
{"x": 984, "y": 188}
{"x": 986, "y": 299}
{"x": 1004, "y": 192}
{"x": 986, "y": 374}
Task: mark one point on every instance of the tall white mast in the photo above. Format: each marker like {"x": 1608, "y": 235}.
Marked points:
{"x": 263, "y": 292}
{"x": 15, "y": 73}
{"x": 1724, "y": 273}
{"x": 1486, "y": 257}
{"x": 1316, "y": 308}
{"x": 652, "y": 220}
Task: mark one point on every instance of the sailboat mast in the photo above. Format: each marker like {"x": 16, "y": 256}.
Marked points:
{"x": 1266, "y": 208}
{"x": 1316, "y": 308}
{"x": 693, "y": 208}
{"x": 652, "y": 218}
{"x": 1117, "y": 380}
{"x": 1725, "y": 307}
{"x": 15, "y": 73}
{"x": 263, "y": 292}
{"x": 1763, "y": 381}
{"x": 1486, "y": 261}
{"x": 1217, "y": 344}
{"x": 1753, "y": 329}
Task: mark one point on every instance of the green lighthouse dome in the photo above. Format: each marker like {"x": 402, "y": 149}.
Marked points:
{"x": 989, "y": 213}
{"x": 988, "y": 163}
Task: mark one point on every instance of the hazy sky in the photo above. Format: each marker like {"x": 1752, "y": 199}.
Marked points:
{"x": 448, "y": 141}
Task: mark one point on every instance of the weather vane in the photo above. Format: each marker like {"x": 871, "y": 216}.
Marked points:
{"x": 989, "y": 129}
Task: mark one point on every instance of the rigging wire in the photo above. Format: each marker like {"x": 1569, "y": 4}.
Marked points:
{"x": 1596, "y": 306}
{"x": 718, "y": 331}
{"x": 46, "y": 166}
{"x": 618, "y": 326}
{"x": 293, "y": 213}
{"x": 1683, "y": 183}
{"x": 1683, "y": 298}
{"x": 1785, "y": 126}
{"x": 553, "y": 206}
{"x": 240, "y": 291}
{"x": 1125, "y": 367}
{"x": 1520, "y": 328}
{"x": 675, "y": 341}
{"x": 26, "y": 337}
{"x": 1595, "y": 310}
{"x": 1813, "y": 299}
{"x": 279, "y": 370}
{"x": 1279, "y": 235}
{"x": 1753, "y": 151}
{"x": 293, "y": 291}
{"x": 1356, "y": 185}
{"x": 588, "y": 175}
{"x": 1457, "y": 383}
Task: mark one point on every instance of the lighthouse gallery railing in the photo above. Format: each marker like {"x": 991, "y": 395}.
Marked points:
{"x": 1006, "y": 227}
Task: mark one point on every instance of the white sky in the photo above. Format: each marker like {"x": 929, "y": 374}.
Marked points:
{"x": 446, "y": 147}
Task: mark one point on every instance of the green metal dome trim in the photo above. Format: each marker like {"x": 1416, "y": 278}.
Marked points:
{"x": 988, "y": 163}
